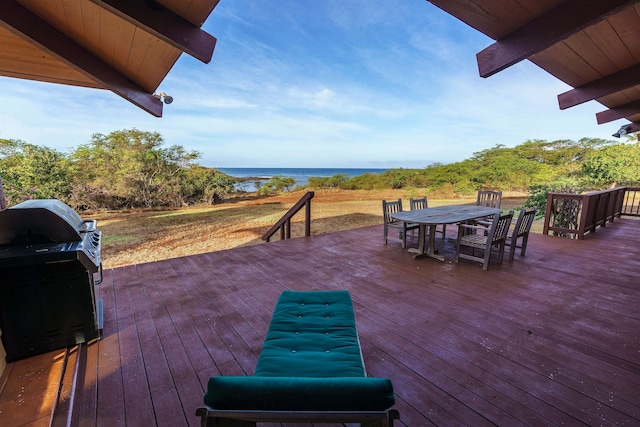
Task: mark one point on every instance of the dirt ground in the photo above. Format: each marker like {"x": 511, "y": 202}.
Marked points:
{"x": 134, "y": 237}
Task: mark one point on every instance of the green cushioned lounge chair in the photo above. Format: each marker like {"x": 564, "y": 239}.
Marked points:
{"x": 310, "y": 370}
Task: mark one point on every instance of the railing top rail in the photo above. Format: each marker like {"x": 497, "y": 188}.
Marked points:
{"x": 591, "y": 193}
{"x": 566, "y": 196}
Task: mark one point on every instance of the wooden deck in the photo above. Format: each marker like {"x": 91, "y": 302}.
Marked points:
{"x": 549, "y": 339}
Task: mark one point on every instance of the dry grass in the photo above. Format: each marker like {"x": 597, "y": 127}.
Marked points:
{"x": 134, "y": 237}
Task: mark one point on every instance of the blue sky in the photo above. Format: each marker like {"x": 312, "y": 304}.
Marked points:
{"x": 301, "y": 83}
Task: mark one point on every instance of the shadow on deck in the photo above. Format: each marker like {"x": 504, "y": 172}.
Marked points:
{"x": 552, "y": 338}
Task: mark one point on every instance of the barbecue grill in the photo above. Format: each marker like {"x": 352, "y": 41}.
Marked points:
{"x": 49, "y": 256}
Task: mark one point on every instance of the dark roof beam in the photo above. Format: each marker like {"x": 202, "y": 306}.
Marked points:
{"x": 602, "y": 87}
{"x": 620, "y": 112}
{"x": 36, "y": 31}
{"x": 557, "y": 24}
{"x": 163, "y": 24}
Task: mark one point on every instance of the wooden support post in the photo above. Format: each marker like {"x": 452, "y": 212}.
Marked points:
{"x": 3, "y": 200}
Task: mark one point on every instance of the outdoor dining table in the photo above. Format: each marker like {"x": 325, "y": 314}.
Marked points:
{"x": 432, "y": 217}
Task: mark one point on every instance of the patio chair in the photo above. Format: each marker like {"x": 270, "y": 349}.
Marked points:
{"x": 479, "y": 237}
{"x": 390, "y": 223}
{"x": 490, "y": 199}
{"x": 423, "y": 203}
{"x": 521, "y": 230}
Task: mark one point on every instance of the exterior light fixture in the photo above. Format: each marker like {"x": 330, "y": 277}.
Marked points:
{"x": 624, "y": 129}
{"x": 164, "y": 97}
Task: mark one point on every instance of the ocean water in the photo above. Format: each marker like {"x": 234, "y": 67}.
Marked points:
{"x": 300, "y": 175}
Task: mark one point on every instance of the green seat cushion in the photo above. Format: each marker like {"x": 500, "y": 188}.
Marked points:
{"x": 312, "y": 334}
{"x": 310, "y": 361}
{"x": 299, "y": 394}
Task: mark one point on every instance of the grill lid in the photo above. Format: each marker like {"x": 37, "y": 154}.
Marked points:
{"x": 41, "y": 221}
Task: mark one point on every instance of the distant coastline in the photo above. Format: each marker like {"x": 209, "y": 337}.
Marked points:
{"x": 300, "y": 175}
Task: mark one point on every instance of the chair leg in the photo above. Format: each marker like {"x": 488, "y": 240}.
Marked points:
{"x": 512, "y": 248}
{"x": 487, "y": 255}
{"x": 524, "y": 244}
{"x": 501, "y": 253}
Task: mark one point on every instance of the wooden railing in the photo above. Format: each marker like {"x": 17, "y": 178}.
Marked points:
{"x": 631, "y": 203}
{"x": 284, "y": 224}
{"x": 574, "y": 215}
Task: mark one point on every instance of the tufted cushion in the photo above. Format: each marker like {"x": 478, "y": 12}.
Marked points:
{"x": 310, "y": 361}
{"x": 312, "y": 334}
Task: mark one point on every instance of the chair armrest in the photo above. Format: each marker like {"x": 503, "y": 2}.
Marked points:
{"x": 472, "y": 227}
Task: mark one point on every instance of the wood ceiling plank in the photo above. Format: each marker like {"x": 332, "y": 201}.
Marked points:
{"x": 537, "y": 8}
{"x": 607, "y": 41}
{"x": 73, "y": 12}
{"x": 511, "y": 13}
{"x": 90, "y": 21}
{"x": 113, "y": 27}
{"x": 474, "y": 15}
{"x": 123, "y": 35}
{"x": 543, "y": 32}
{"x": 21, "y": 22}
{"x": 615, "y": 99}
{"x": 591, "y": 53}
{"x": 21, "y": 59}
{"x": 165, "y": 25}
{"x": 565, "y": 64}
{"x": 157, "y": 52}
{"x": 627, "y": 27}
{"x": 51, "y": 11}
{"x": 194, "y": 11}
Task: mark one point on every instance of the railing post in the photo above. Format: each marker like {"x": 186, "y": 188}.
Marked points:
{"x": 307, "y": 218}
{"x": 547, "y": 214}
{"x": 582, "y": 226}
{"x": 3, "y": 200}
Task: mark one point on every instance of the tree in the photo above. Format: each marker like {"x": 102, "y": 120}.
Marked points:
{"x": 129, "y": 168}
{"x": 33, "y": 172}
{"x": 613, "y": 164}
{"x": 204, "y": 185}
{"x": 276, "y": 184}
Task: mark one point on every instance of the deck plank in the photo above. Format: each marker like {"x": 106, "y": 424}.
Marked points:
{"x": 551, "y": 338}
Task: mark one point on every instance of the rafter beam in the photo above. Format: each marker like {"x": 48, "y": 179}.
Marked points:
{"x": 165, "y": 25}
{"x": 602, "y": 87}
{"x": 38, "y": 32}
{"x": 620, "y": 112}
{"x": 566, "y": 19}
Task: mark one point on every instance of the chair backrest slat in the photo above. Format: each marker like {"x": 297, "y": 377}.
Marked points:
{"x": 421, "y": 203}
{"x": 489, "y": 198}
{"x": 524, "y": 222}
{"x": 389, "y": 208}
{"x": 501, "y": 227}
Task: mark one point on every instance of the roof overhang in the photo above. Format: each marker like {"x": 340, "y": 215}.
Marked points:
{"x": 126, "y": 46}
{"x": 592, "y": 45}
